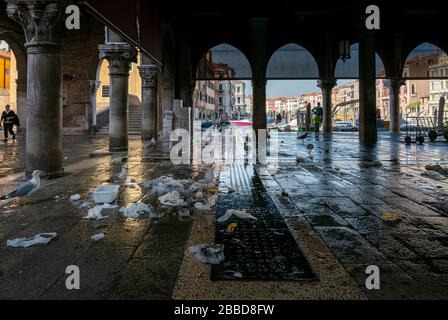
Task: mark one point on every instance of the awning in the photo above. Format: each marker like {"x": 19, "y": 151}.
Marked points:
{"x": 135, "y": 20}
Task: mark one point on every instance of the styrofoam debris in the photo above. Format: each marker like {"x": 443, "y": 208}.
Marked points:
{"x": 172, "y": 199}
{"x": 98, "y": 237}
{"x": 75, "y": 197}
{"x": 198, "y": 196}
{"x": 237, "y": 213}
{"x": 162, "y": 186}
{"x": 135, "y": 210}
{"x": 208, "y": 254}
{"x": 202, "y": 207}
{"x": 96, "y": 213}
{"x": 184, "y": 213}
{"x": 211, "y": 201}
{"x": 40, "y": 239}
{"x": 86, "y": 205}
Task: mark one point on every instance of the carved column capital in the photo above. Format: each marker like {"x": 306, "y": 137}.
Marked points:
{"x": 93, "y": 86}
{"x": 149, "y": 74}
{"x": 394, "y": 85}
{"x": 40, "y": 20}
{"x": 120, "y": 56}
{"x": 327, "y": 84}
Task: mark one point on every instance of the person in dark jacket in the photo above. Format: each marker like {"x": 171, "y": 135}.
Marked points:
{"x": 9, "y": 119}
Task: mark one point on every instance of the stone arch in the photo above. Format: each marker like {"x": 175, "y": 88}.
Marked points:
{"x": 292, "y": 61}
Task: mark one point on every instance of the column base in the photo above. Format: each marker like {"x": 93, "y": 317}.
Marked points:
{"x": 119, "y": 149}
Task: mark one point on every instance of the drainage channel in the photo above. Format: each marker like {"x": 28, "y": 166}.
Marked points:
{"x": 262, "y": 250}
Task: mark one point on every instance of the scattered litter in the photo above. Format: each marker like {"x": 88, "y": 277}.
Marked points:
{"x": 231, "y": 190}
{"x": 87, "y": 205}
{"x": 98, "y": 237}
{"x": 162, "y": 186}
{"x": 213, "y": 191}
{"x": 284, "y": 194}
{"x": 196, "y": 187}
{"x": 231, "y": 228}
{"x": 370, "y": 164}
{"x": 149, "y": 144}
{"x": 106, "y": 193}
{"x": 208, "y": 254}
{"x": 96, "y": 213}
{"x": 172, "y": 199}
{"x": 202, "y": 207}
{"x": 184, "y": 214}
{"x": 209, "y": 177}
{"x": 132, "y": 185}
{"x": 391, "y": 218}
{"x": 135, "y": 210}
{"x": 211, "y": 202}
{"x": 40, "y": 239}
{"x": 198, "y": 196}
{"x": 240, "y": 214}
{"x": 75, "y": 198}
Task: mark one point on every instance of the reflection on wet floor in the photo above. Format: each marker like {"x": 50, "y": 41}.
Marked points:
{"x": 342, "y": 190}
{"x": 261, "y": 250}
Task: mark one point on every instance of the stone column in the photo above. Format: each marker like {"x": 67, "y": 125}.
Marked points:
{"x": 394, "y": 86}
{"x": 327, "y": 85}
{"x": 41, "y": 23}
{"x": 259, "y": 118}
{"x": 93, "y": 89}
{"x": 367, "y": 89}
{"x": 120, "y": 56}
{"x": 259, "y": 56}
{"x": 22, "y": 111}
{"x": 168, "y": 100}
{"x": 149, "y": 101}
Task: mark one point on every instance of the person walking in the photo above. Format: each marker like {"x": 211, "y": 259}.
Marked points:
{"x": 9, "y": 119}
{"x": 318, "y": 118}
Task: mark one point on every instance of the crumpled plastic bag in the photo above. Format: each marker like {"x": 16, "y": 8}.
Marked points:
{"x": 98, "y": 237}
{"x": 202, "y": 207}
{"x": 135, "y": 210}
{"x": 96, "y": 213}
{"x": 164, "y": 185}
{"x": 40, "y": 239}
{"x": 237, "y": 213}
{"x": 172, "y": 199}
{"x": 75, "y": 198}
{"x": 208, "y": 254}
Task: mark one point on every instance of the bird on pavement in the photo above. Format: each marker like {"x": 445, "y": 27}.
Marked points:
{"x": 310, "y": 149}
{"x": 26, "y": 188}
{"x": 303, "y": 137}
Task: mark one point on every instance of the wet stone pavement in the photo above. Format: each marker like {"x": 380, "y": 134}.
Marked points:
{"x": 341, "y": 193}
{"x": 344, "y": 189}
{"x": 138, "y": 259}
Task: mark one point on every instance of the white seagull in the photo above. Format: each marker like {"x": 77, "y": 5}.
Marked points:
{"x": 26, "y": 188}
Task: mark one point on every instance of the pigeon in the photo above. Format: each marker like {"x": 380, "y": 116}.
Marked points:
{"x": 26, "y": 188}
{"x": 303, "y": 137}
{"x": 310, "y": 148}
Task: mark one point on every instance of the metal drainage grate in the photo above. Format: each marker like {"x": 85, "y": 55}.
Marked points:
{"x": 263, "y": 250}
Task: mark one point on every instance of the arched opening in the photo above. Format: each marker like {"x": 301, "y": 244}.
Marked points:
{"x": 292, "y": 75}
{"x": 13, "y": 79}
{"x": 221, "y": 93}
{"x": 345, "y": 95}
{"x": 102, "y": 96}
{"x": 425, "y": 73}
